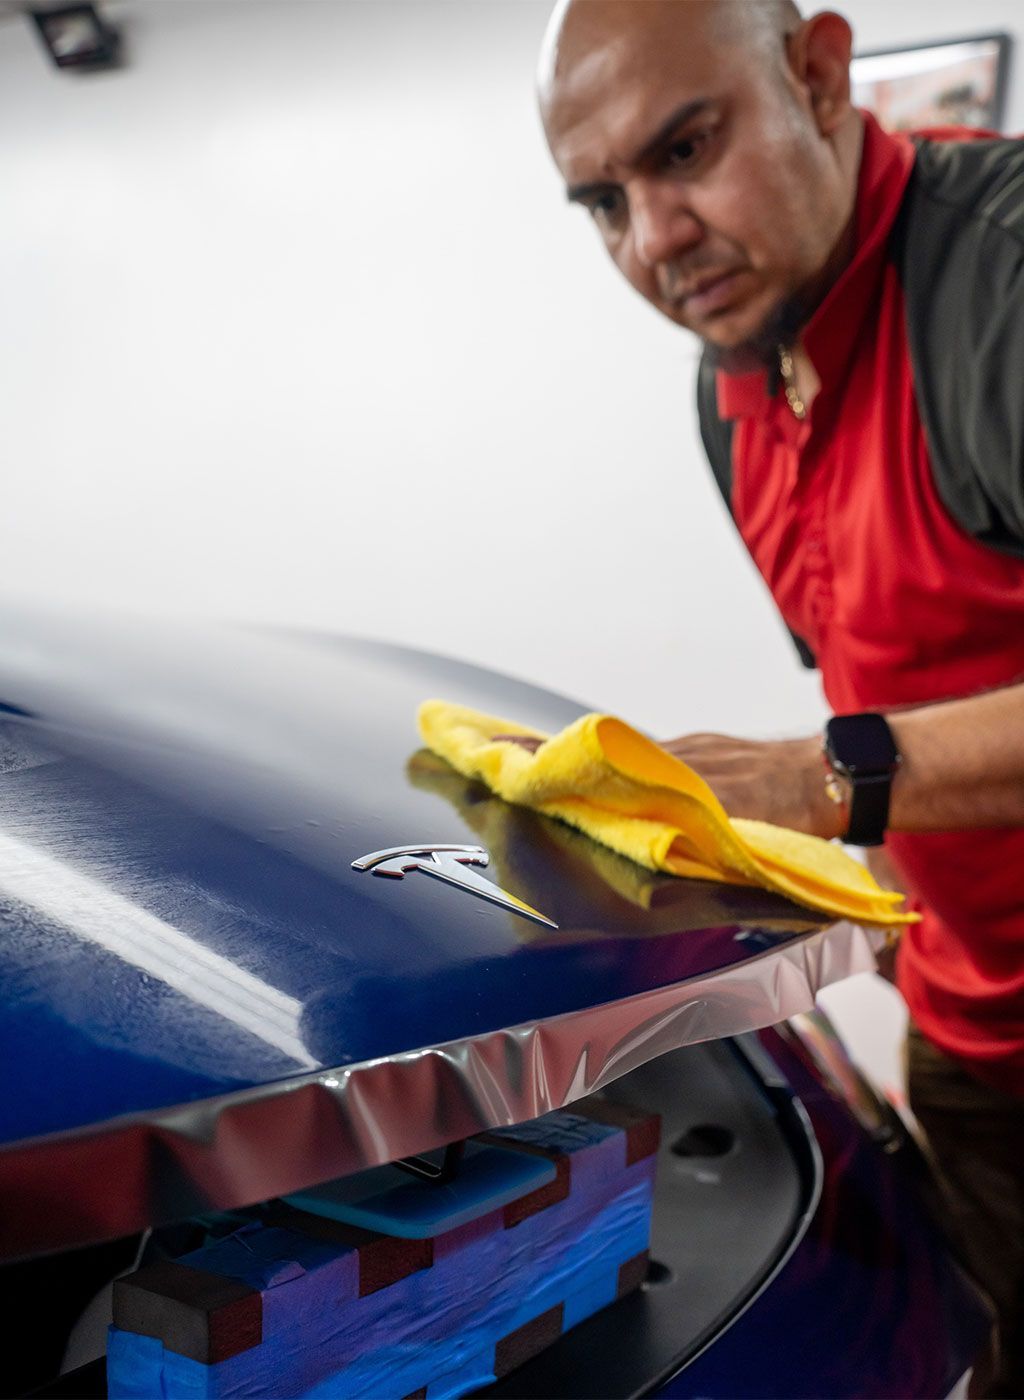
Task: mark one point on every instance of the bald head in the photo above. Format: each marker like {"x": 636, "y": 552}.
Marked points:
{"x": 714, "y": 143}
{"x": 574, "y": 24}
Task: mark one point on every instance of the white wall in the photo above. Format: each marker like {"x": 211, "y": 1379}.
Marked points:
{"x": 295, "y": 326}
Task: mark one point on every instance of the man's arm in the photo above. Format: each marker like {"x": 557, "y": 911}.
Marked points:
{"x": 963, "y": 767}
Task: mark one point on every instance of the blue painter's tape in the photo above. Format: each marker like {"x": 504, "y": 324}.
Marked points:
{"x": 473, "y": 1374}
{"x": 262, "y": 1256}
{"x": 437, "y": 1327}
{"x": 134, "y": 1364}
{"x": 562, "y": 1131}
{"x": 597, "y": 1295}
{"x": 422, "y": 1327}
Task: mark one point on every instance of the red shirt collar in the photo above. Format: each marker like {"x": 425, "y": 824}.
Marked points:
{"x": 829, "y": 336}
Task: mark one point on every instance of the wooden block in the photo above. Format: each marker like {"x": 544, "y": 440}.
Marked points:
{"x": 643, "y": 1130}
{"x": 632, "y": 1274}
{"x": 527, "y": 1341}
{"x": 338, "y": 1299}
{"x": 203, "y": 1316}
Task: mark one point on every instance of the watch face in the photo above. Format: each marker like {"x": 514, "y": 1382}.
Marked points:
{"x": 861, "y": 744}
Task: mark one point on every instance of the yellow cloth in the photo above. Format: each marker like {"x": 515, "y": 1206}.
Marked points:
{"x": 627, "y": 792}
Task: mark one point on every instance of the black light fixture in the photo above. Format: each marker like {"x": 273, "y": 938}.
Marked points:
{"x": 77, "y": 37}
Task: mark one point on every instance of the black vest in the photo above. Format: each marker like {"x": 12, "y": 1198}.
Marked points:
{"x": 958, "y": 247}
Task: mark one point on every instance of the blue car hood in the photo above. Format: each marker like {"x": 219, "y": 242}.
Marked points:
{"x": 180, "y": 808}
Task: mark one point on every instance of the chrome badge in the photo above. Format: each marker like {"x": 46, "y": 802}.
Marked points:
{"x": 452, "y": 865}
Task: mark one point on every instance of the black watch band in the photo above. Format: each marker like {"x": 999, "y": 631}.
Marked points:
{"x": 862, "y": 751}
{"x": 869, "y": 810}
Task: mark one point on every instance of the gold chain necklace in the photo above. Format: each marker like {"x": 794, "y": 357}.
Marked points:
{"x": 796, "y": 403}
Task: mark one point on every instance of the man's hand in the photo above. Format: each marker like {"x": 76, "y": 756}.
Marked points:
{"x": 779, "y": 781}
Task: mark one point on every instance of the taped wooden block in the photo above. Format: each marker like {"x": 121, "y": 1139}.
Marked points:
{"x": 292, "y": 1302}
{"x": 204, "y": 1316}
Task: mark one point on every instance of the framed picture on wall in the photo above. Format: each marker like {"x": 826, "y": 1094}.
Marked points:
{"x": 953, "y": 82}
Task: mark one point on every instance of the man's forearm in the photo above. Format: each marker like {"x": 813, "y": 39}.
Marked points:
{"x": 963, "y": 766}
{"x": 963, "y": 763}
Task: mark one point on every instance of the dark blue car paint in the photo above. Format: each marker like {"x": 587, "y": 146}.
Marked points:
{"x": 216, "y": 794}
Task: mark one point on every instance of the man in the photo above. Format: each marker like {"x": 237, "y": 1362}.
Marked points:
{"x": 860, "y": 297}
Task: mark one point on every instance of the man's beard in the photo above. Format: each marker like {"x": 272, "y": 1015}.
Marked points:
{"x": 761, "y": 350}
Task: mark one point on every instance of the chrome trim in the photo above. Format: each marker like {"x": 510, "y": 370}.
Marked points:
{"x": 245, "y": 1147}
{"x": 376, "y": 857}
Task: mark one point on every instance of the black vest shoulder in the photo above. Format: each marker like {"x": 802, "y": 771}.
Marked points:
{"x": 958, "y": 245}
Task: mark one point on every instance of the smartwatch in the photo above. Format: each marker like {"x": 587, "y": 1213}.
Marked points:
{"x": 860, "y": 749}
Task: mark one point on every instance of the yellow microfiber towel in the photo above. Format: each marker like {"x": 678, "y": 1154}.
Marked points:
{"x": 628, "y": 793}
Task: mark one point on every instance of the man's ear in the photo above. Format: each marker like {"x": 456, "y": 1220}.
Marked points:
{"x": 819, "y": 54}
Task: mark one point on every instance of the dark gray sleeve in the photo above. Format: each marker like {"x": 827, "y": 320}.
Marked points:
{"x": 715, "y": 432}
{"x": 716, "y": 435}
{"x": 960, "y": 249}
{"x": 992, "y": 395}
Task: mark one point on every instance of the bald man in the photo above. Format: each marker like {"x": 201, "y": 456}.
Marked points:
{"x": 860, "y": 299}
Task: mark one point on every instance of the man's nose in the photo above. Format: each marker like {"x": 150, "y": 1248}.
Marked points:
{"x": 663, "y": 224}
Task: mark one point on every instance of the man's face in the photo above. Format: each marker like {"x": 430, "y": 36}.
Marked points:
{"x": 700, "y": 160}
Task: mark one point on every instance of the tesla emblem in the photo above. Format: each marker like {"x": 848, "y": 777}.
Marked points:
{"x": 453, "y": 865}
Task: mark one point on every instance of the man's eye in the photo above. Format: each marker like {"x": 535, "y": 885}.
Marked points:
{"x": 686, "y": 151}
{"x": 606, "y": 208}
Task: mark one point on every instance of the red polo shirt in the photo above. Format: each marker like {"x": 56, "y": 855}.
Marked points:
{"x": 899, "y": 605}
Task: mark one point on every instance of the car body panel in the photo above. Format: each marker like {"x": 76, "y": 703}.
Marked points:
{"x": 870, "y": 1300}
{"x": 178, "y": 819}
